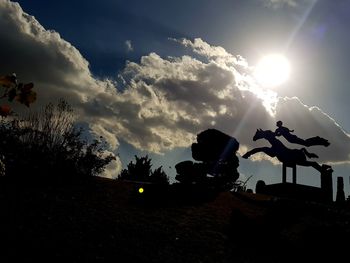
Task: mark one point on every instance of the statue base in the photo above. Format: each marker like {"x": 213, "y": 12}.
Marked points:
{"x": 296, "y": 191}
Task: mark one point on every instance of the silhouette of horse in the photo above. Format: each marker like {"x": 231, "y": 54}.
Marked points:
{"x": 289, "y": 157}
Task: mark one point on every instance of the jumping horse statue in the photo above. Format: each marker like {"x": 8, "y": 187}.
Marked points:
{"x": 289, "y": 157}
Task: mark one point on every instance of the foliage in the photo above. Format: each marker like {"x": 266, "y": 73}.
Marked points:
{"x": 141, "y": 170}
{"x": 2, "y": 167}
{"x": 47, "y": 143}
{"x": 14, "y": 91}
{"x": 240, "y": 185}
{"x": 159, "y": 176}
{"x": 138, "y": 171}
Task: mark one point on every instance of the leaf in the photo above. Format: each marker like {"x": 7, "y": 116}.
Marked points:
{"x": 5, "y": 110}
{"x": 12, "y": 94}
{"x": 8, "y": 81}
{"x": 26, "y": 98}
{"x": 26, "y": 87}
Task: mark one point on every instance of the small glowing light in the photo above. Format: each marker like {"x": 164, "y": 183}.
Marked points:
{"x": 141, "y": 190}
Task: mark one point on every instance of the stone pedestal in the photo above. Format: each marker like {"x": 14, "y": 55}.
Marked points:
{"x": 327, "y": 185}
{"x": 284, "y": 174}
{"x": 340, "y": 198}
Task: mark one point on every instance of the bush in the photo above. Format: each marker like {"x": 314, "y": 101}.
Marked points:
{"x": 158, "y": 176}
{"x": 141, "y": 171}
{"x": 47, "y": 143}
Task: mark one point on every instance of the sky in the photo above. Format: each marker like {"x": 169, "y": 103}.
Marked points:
{"x": 150, "y": 75}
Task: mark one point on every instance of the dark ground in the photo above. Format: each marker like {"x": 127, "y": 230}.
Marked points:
{"x": 102, "y": 219}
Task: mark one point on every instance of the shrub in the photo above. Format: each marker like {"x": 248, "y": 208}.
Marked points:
{"x": 141, "y": 170}
{"x": 47, "y": 143}
{"x": 158, "y": 176}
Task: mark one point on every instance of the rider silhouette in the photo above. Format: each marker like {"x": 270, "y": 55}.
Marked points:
{"x": 281, "y": 130}
{"x": 286, "y": 133}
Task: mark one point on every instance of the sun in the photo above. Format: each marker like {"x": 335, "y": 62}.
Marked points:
{"x": 272, "y": 70}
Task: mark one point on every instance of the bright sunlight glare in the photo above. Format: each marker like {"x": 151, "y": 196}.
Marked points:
{"x": 272, "y": 70}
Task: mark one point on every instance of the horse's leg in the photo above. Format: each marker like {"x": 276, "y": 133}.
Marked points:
{"x": 308, "y": 154}
{"x": 265, "y": 150}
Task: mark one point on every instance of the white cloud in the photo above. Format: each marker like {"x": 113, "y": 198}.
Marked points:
{"x": 165, "y": 101}
{"x": 312, "y": 121}
{"x": 276, "y": 4}
{"x": 129, "y": 46}
{"x": 54, "y": 65}
{"x": 179, "y": 97}
{"x": 214, "y": 53}
{"x": 189, "y": 95}
{"x": 113, "y": 168}
{"x": 294, "y": 4}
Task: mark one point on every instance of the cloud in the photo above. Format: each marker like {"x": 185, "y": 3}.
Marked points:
{"x": 113, "y": 168}
{"x": 276, "y": 4}
{"x": 158, "y": 103}
{"x": 187, "y": 95}
{"x": 54, "y": 65}
{"x": 294, "y": 4}
{"x": 311, "y": 121}
{"x": 129, "y": 46}
{"x": 178, "y": 97}
{"x": 214, "y": 53}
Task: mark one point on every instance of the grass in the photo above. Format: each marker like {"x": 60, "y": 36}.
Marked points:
{"x": 107, "y": 220}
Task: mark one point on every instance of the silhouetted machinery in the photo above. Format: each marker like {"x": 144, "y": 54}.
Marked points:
{"x": 218, "y": 164}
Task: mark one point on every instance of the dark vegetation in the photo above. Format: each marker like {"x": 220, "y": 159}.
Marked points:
{"x": 47, "y": 144}
{"x": 141, "y": 171}
{"x": 107, "y": 220}
{"x": 12, "y": 90}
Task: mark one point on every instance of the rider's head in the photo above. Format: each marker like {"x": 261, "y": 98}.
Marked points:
{"x": 279, "y": 123}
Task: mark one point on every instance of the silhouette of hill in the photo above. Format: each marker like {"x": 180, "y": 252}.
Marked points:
{"x": 102, "y": 219}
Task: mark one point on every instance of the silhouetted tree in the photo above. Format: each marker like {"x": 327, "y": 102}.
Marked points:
{"x": 141, "y": 170}
{"x": 47, "y": 143}
{"x": 159, "y": 176}
{"x": 138, "y": 171}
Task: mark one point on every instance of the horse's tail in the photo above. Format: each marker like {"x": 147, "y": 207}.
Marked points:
{"x": 309, "y": 155}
